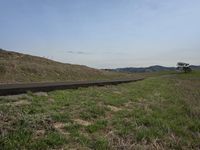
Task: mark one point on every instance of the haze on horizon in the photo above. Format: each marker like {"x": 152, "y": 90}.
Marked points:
{"x": 103, "y": 33}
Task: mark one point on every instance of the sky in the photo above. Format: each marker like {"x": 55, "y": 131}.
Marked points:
{"x": 103, "y": 33}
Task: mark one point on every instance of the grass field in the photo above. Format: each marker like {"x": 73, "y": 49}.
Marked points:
{"x": 157, "y": 113}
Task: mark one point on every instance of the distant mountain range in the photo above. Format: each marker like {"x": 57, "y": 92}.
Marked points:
{"x": 155, "y": 68}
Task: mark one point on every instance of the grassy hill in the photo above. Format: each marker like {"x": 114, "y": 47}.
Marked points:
{"x": 156, "y": 113}
{"x": 16, "y": 67}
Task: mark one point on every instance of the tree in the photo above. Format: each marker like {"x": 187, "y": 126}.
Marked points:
{"x": 183, "y": 67}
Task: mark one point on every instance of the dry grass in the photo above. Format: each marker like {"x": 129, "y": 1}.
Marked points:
{"x": 16, "y": 67}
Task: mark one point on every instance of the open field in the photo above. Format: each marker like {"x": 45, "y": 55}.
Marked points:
{"x": 161, "y": 112}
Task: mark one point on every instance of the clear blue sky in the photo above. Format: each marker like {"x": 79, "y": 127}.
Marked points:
{"x": 103, "y": 33}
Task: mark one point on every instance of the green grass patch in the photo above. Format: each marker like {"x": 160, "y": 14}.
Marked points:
{"x": 162, "y": 111}
{"x": 98, "y": 125}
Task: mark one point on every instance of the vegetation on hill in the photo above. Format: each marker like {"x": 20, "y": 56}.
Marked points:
{"x": 155, "y": 68}
{"x": 16, "y": 67}
{"x": 156, "y": 113}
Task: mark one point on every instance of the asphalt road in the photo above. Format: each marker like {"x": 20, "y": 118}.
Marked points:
{"x": 13, "y": 89}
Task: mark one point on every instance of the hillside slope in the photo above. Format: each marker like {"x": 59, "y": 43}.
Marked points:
{"x": 17, "y": 67}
